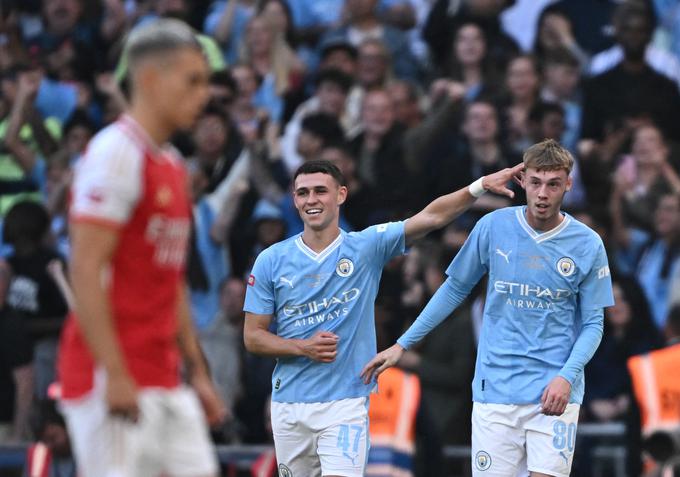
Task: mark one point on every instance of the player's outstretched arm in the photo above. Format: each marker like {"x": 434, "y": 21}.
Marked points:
{"x": 92, "y": 247}
{"x": 444, "y": 209}
{"x": 322, "y": 347}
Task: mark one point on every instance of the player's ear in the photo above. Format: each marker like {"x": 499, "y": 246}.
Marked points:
{"x": 342, "y": 195}
{"x": 147, "y": 76}
{"x": 569, "y": 183}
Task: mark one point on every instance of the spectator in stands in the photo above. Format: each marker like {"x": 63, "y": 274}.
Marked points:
{"x": 338, "y": 54}
{"x": 554, "y": 32}
{"x": 252, "y": 120}
{"x": 628, "y": 331}
{"x": 33, "y": 309}
{"x": 330, "y": 97}
{"x": 275, "y": 63}
{"x": 523, "y": 84}
{"x": 590, "y": 23}
{"x": 380, "y": 156}
{"x": 632, "y": 91}
{"x": 406, "y": 100}
{"x": 476, "y": 152}
{"x": 226, "y": 23}
{"x": 27, "y": 137}
{"x": 446, "y": 15}
{"x": 363, "y": 23}
{"x": 643, "y": 176}
{"x": 658, "y": 58}
{"x": 222, "y": 343}
{"x": 214, "y": 212}
{"x": 373, "y": 71}
{"x": 223, "y": 90}
{"x": 651, "y": 258}
{"x": 561, "y": 77}
{"x": 470, "y": 64}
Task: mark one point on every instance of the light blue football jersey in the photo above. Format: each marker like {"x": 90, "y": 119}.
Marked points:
{"x": 541, "y": 286}
{"x": 333, "y": 290}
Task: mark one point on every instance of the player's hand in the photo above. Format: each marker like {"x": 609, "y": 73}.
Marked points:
{"x": 497, "y": 182}
{"x": 322, "y": 347}
{"x": 213, "y": 406}
{"x": 555, "y": 397}
{"x": 383, "y": 360}
{"x": 121, "y": 397}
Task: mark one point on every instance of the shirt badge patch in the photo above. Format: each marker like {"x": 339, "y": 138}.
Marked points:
{"x": 344, "y": 268}
{"x": 566, "y": 266}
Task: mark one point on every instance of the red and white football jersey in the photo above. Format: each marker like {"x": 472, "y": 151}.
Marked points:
{"x": 129, "y": 184}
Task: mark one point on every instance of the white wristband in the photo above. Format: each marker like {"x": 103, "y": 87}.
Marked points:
{"x": 476, "y": 189}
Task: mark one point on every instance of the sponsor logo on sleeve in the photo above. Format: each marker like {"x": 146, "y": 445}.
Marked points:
{"x": 251, "y": 280}
{"x": 603, "y": 272}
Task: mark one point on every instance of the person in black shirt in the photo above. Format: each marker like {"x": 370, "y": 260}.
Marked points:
{"x": 33, "y": 308}
{"x": 631, "y": 92}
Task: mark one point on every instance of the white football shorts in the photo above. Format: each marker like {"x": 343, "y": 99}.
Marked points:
{"x": 508, "y": 439}
{"x": 171, "y": 436}
{"x": 318, "y": 439}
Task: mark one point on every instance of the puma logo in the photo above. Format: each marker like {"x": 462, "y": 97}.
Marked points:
{"x": 506, "y": 256}
{"x": 286, "y": 281}
{"x": 564, "y": 456}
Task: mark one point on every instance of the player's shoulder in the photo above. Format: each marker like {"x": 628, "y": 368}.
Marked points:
{"x": 374, "y": 231}
{"x": 499, "y": 218}
{"x": 113, "y": 143}
{"x": 283, "y": 248}
{"x": 583, "y": 232}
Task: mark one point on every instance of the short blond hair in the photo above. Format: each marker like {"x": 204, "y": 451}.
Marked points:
{"x": 548, "y": 155}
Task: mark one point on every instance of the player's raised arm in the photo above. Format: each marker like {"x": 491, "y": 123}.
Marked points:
{"x": 322, "y": 347}
{"x": 446, "y": 208}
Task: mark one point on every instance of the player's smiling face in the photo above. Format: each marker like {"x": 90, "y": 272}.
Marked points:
{"x": 318, "y": 198}
{"x": 545, "y": 191}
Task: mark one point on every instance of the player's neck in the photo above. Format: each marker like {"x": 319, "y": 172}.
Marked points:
{"x": 543, "y": 225}
{"x": 319, "y": 240}
{"x": 157, "y": 130}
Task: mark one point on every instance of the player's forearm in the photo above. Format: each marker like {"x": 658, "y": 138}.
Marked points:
{"x": 264, "y": 343}
{"x": 584, "y": 348}
{"x": 94, "y": 317}
{"x": 443, "y": 302}
{"x": 438, "y": 213}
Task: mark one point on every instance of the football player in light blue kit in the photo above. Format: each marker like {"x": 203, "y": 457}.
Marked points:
{"x": 317, "y": 290}
{"x": 548, "y": 285}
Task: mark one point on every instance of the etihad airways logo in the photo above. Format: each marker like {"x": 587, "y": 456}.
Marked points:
{"x": 321, "y": 305}
{"x": 524, "y": 295}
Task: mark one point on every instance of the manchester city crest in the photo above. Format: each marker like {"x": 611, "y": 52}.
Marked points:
{"x": 482, "y": 460}
{"x": 345, "y": 267}
{"x": 566, "y": 266}
{"x": 284, "y": 471}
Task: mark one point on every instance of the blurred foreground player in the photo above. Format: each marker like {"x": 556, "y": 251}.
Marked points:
{"x": 320, "y": 287}
{"x": 548, "y": 286}
{"x": 127, "y": 413}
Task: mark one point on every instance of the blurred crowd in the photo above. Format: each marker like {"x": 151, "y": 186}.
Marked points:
{"x": 411, "y": 99}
